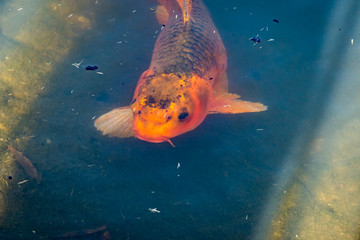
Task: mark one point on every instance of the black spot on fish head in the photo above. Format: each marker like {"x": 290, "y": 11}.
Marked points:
{"x": 164, "y": 104}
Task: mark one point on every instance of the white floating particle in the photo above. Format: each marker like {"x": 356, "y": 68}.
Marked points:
{"x": 134, "y": 11}
{"x": 234, "y": 8}
{"x": 93, "y": 117}
{"x": 19, "y": 9}
{"x": 247, "y": 216}
{"x": 214, "y": 31}
{"x": 77, "y": 64}
{"x": 259, "y": 129}
{"x": 42, "y": 87}
{"x": 352, "y": 41}
{"x": 270, "y": 39}
{"x": 176, "y": 16}
{"x": 22, "y": 182}
{"x": 154, "y": 210}
{"x": 262, "y": 29}
{"x": 178, "y": 166}
{"x": 119, "y": 42}
{"x": 70, "y": 15}
{"x": 71, "y": 91}
{"x": 101, "y": 73}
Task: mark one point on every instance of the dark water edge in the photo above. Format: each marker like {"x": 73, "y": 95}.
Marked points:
{"x": 227, "y": 165}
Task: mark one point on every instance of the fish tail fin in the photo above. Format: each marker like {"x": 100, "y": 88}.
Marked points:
{"x": 229, "y": 103}
{"x": 116, "y": 123}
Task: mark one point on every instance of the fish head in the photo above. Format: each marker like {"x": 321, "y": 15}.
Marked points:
{"x": 168, "y": 105}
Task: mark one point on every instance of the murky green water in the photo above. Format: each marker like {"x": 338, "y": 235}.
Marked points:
{"x": 288, "y": 173}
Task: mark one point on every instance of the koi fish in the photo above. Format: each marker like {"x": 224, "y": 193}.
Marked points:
{"x": 185, "y": 82}
{"x": 26, "y": 164}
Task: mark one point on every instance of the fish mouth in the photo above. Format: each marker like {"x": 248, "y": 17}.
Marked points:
{"x": 151, "y": 139}
{"x": 159, "y": 139}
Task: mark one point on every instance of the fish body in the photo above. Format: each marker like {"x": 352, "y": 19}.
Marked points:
{"x": 186, "y": 80}
{"x": 26, "y": 164}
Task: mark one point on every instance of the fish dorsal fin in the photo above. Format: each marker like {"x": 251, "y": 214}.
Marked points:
{"x": 162, "y": 11}
{"x": 116, "y": 123}
{"x": 229, "y": 103}
{"x": 186, "y": 6}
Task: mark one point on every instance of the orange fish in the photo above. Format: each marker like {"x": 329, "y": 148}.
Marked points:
{"x": 185, "y": 82}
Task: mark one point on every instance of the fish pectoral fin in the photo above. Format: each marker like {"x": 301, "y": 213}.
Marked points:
{"x": 162, "y": 15}
{"x": 229, "y": 103}
{"x": 116, "y": 123}
{"x": 221, "y": 84}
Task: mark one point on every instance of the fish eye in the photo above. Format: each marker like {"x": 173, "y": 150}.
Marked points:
{"x": 183, "y": 116}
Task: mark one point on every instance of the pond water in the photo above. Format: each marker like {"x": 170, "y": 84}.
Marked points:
{"x": 288, "y": 173}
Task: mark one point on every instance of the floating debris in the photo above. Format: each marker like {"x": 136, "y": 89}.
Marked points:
{"x": 26, "y": 164}
{"x": 178, "y": 166}
{"x": 270, "y": 39}
{"x": 101, "y": 73}
{"x": 82, "y": 233}
{"x": 352, "y": 41}
{"x": 22, "y": 182}
{"x": 77, "y": 64}
{"x": 91, "y": 68}
{"x": 255, "y": 39}
{"x": 154, "y": 210}
{"x": 275, "y": 20}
